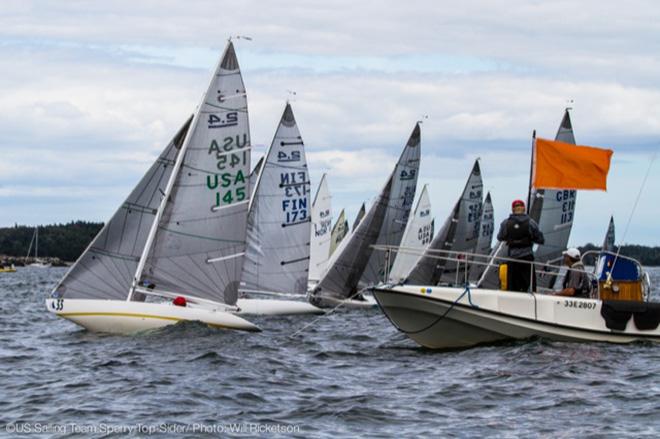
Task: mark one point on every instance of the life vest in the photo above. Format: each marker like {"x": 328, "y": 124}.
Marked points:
{"x": 517, "y": 232}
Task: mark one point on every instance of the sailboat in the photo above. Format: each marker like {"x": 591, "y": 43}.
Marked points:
{"x": 180, "y": 234}
{"x": 278, "y": 228}
{"x": 443, "y": 317}
{"x": 399, "y": 205}
{"x": 341, "y": 281}
{"x": 459, "y": 233}
{"x": 608, "y": 242}
{"x": 417, "y": 236}
{"x": 339, "y": 231}
{"x": 359, "y": 216}
{"x": 38, "y": 263}
{"x": 321, "y": 229}
{"x": 485, "y": 241}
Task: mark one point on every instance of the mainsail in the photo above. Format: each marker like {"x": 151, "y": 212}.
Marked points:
{"x": 360, "y": 215}
{"x": 106, "y": 269}
{"x": 399, "y": 204}
{"x": 200, "y": 241}
{"x": 278, "y": 228}
{"x": 417, "y": 236}
{"x": 484, "y": 243}
{"x": 553, "y": 210}
{"x": 459, "y": 233}
{"x": 339, "y": 231}
{"x": 608, "y": 243}
{"x": 347, "y": 264}
{"x": 319, "y": 251}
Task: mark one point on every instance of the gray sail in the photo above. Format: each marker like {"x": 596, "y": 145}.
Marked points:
{"x": 339, "y": 231}
{"x": 490, "y": 278}
{"x": 106, "y": 269}
{"x": 466, "y": 235}
{"x": 608, "y": 243}
{"x": 360, "y": 215}
{"x": 349, "y": 261}
{"x": 319, "y": 251}
{"x": 459, "y": 233}
{"x": 277, "y": 256}
{"x": 399, "y": 205}
{"x": 417, "y": 236}
{"x": 485, "y": 241}
{"x": 200, "y": 241}
{"x": 254, "y": 175}
{"x": 553, "y": 210}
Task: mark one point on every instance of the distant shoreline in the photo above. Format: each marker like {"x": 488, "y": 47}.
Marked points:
{"x": 62, "y": 244}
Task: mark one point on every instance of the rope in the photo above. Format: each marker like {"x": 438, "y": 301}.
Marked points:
{"x": 325, "y": 314}
{"x": 632, "y": 212}
{"x": 469, "y": 296}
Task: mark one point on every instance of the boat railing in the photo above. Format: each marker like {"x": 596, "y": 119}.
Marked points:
{"x": 465, "y": 260}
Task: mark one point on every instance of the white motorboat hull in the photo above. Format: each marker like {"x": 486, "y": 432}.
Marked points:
{"x": 124, "y": 317}
{"x": 424, "y": 314}
{"x": 275, "y": 307}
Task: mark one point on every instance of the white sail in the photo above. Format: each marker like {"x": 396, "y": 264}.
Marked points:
{"x": 399, "y": 205}
{"x": 485, "y": 241}
{"x": 106, "y": 269}
{"x": 608, "y": 243}
{"x": 319, "y": 251}
{"x": 339, "y": 232}
{"x": 553, "y": 210}
{"x": 359, "y": 216}
{"x": 278, "y": 229}
{"x": 459, "y": 233}
{"x": 347, "y": 264}
{"x": 417, "y": 236}
{"x": 200, "y": 241}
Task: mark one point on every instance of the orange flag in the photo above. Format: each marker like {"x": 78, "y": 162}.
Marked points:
{"x": 559, "y": 165}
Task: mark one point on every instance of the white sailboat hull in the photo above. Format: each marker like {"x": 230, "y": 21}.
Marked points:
{"x": 422, "y": 313}
{"x": 331, "y": 302}
{"x": 123, "y": 317}
{"x": 275, "y": 307}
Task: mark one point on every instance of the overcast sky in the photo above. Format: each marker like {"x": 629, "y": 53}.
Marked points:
{"x": 91, "y": 92}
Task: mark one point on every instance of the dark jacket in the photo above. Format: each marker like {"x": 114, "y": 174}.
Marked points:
{"x": 520, "y": 246}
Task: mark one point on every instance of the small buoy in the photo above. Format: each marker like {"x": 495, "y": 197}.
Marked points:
{"x": 179, "y": 301}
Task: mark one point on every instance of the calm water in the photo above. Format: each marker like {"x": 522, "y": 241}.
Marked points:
{"x": 349, "y": 373}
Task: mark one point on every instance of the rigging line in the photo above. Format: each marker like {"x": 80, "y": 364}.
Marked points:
{"x": 632, "y": 212}
{"x": 327, "y": 313}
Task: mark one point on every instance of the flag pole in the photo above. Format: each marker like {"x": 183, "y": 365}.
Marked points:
{"x": 531, "y": 172}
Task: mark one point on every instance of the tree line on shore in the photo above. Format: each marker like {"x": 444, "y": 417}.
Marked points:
{"x": 67, "y": 242}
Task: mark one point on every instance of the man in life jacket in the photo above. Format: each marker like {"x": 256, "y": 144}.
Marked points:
{"x": 520, "y": 233}
{"x": 576, "y": 282}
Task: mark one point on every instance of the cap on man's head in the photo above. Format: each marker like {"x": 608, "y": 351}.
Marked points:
{"x": 572, "y": 253}
{"x": 517, "y": 203}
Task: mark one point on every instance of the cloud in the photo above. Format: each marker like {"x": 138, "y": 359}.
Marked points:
{"x": 94, "y": 91}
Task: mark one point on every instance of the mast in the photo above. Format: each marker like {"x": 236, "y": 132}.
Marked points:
{"x": 531, "y": 172}
{"x": 168, "y": 190}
